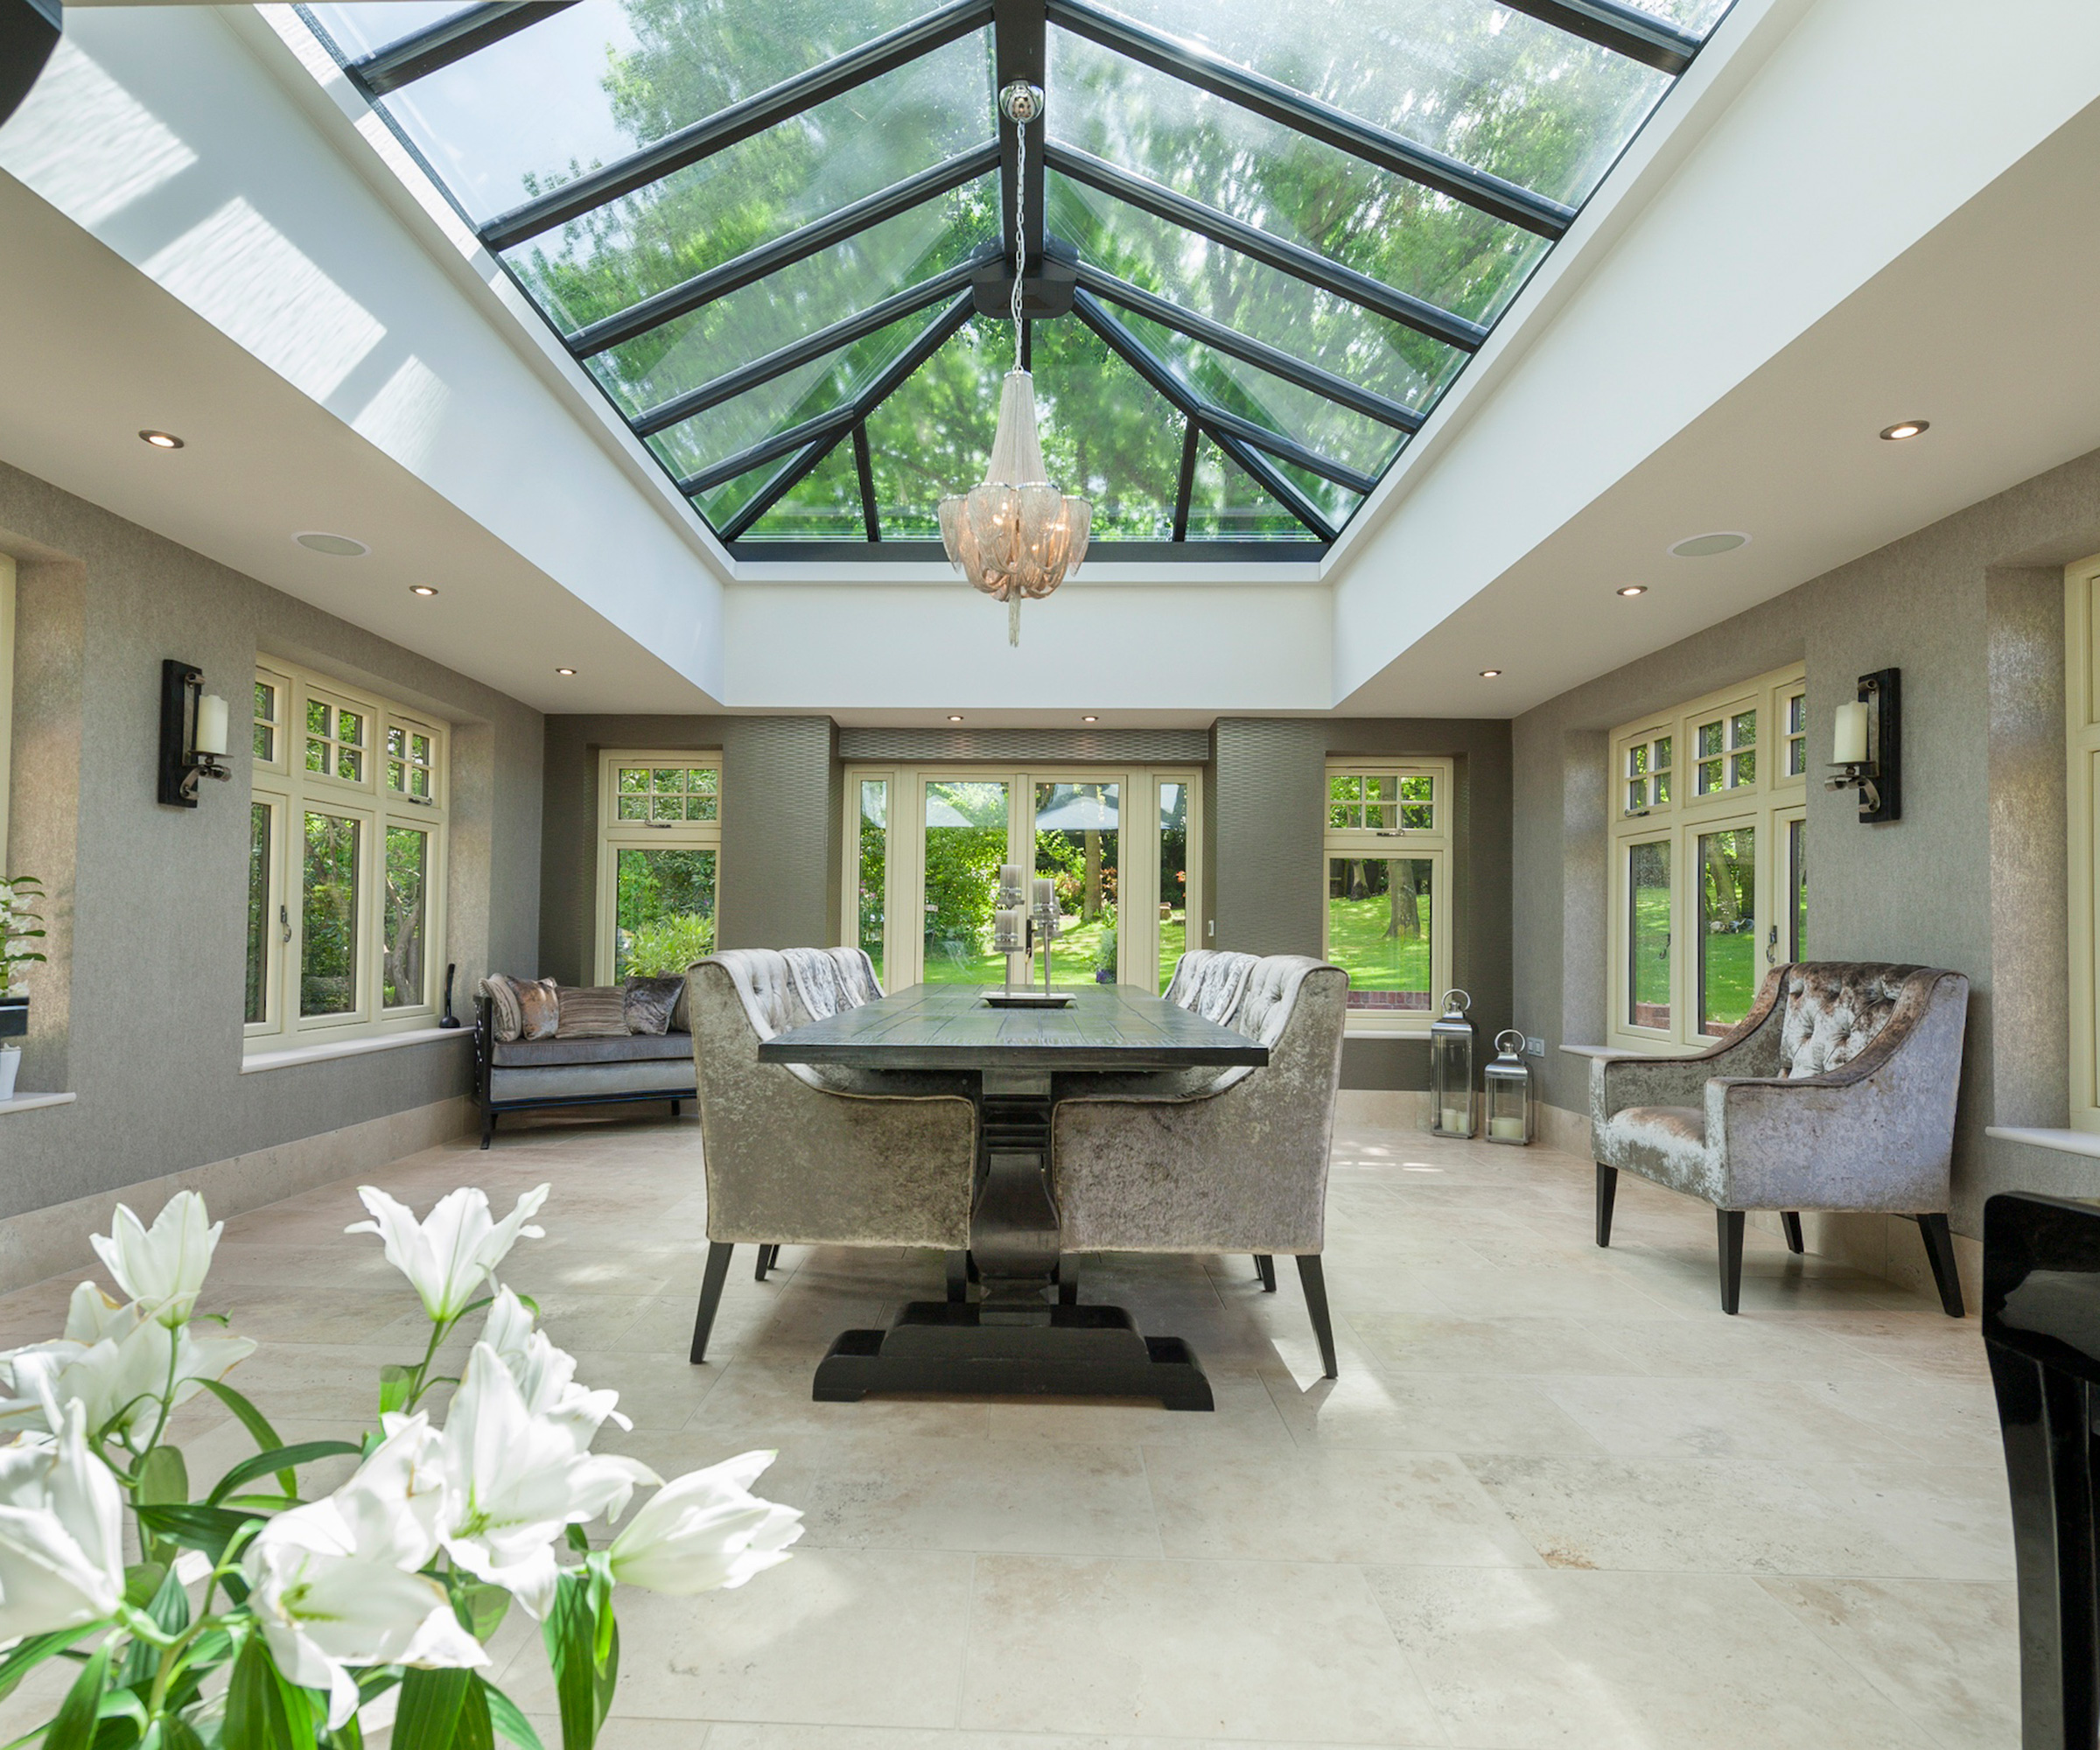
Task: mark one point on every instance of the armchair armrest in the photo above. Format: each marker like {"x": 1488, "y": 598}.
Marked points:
{"x": 1626, "y": 1079}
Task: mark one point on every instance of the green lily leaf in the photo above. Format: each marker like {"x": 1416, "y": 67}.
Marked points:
{"x": 284, "y": 1460}
{"x": 73, "y": 1726}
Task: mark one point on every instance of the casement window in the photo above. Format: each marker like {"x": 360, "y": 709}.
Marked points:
{"x": 2082, "y": 702}
{"x": 659, "y": 849}
{"x": 924, "y": 845}
{"x": 345, "y": 863}
{"x": 7, "y": 692}
{"x": 1387, "y": 877}
{"x": 1709, "y": 878}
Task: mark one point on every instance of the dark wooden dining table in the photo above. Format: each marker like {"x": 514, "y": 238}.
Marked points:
{"x": 1028, "y": 1336}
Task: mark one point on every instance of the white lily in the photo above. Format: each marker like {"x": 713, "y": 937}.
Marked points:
{"x": 513, "y": 1480}
{"x": 448, "y": 1254}
{"x": 163, "y": 1266}
{"x": 61, "y": 1532}
{"x": 546, "y": 1376}
{"x": 117, "y": 1361}
{"x": 705, "y": 1530}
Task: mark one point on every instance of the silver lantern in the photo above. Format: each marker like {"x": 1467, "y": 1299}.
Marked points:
{"x": 1507, "y": 1091}
{"x": 1450, "y": 1068}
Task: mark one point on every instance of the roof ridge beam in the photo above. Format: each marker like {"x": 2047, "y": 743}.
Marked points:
{"x": 876, "y": 317}
{"x": 437, "y": 47}
{"x": 1624, "y": 30}
{"x": 1314, "y": 269}
{"x": 754, "y": 114}
{"x": 752, "y": 264}
{"x": 1496, "y": 195}
{"x": 1259, "y": 353}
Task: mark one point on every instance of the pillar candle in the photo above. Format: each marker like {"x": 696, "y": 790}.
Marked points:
{"x": 1510, "y": 1129}
{"x": 211, "y": 725}
{"x": 1849, "y": 745}
{"x": 1455, "y": 1119}
{"x": 1046, "y": 895}
{"x": 1010, "y": 931}
{"x": 1010, "y": 881}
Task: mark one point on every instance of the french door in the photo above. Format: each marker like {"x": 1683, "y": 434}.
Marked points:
{"x": 925, "y": 844}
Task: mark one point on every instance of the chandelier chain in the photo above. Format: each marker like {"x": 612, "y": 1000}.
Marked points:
{"x": 1020, "y": 228}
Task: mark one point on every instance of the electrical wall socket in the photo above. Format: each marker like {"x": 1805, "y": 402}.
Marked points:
{"x": 1534, "y": 1045}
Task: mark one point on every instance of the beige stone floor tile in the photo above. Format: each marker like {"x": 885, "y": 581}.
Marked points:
{"x": 1952, "y": 1521}
{"x": 785, "y": 1737}
{"x": 1945, "y": 1421}
{"x": 1931, "y": 1345}
{"x": 849, "y": 1637}
{"x": 764, "y": 1401}
{"x": 1612, "y": 1661}
{"x": 1532, "y": 1293}
{"x": 1942, "y": 1651}
{"x": 1486, "y": 1342}
{"x": 1342, "y": 1505}
{"x": 1750, "y": 1345}
{"x": 1427, "y": 1412}
{"x": 1695, "y": 1516}
{"x": 1270, "y": 1652}
{"x": 1781, "y": 1421}
{"x": 1245, "y": 1416}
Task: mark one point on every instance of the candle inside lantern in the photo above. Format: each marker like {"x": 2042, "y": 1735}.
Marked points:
{"x": 1010, "y": 931}
{"x": 1455, "y": 1118}
{"x": 1508, "y": 1130}
{"x": 211, "y": 725}
{"x": 1046, "y": 895}
{"x": 1849, "y": 743}
{"x": 1009, "y": 883}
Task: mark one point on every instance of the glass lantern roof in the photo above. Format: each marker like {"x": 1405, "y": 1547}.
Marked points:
{"x": 1264, "y": 237}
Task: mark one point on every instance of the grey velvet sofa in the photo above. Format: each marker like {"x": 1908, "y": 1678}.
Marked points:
{"x": 797, "y": 1156}
{"x": 1239, "y": 1164}
{"x": 517, "y": 1076}
{"x": 1836, "y": 1092}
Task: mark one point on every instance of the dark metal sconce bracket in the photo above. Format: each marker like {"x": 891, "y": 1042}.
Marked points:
{"x": 181, "y": 686}
{"x": 1878, "y": 778}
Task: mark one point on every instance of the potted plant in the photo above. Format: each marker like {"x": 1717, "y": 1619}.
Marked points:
{"x": 19, "y": 925}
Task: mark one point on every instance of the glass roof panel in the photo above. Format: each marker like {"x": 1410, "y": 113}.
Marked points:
{"x": 1293, "y": 187}
{"x": 823, "y": 505}
{"x": 1285, "y": 409}
{"x": 786, "y": 305}
{"x": 1106, "y": 436}
{"x": 933, "y": 436}
{"x": 761, "y": 188}
{"x": 1228, "y": 505}
{"x": 1337, "y": 504}
{"x": 803, "y": 393}
{"x": 588, "y": 85}
{"x": 1497, "y": 89}
{"x": 1257, "y": 300}
{"x": 719, "y": 504}
{"x": 1698, "y": 17}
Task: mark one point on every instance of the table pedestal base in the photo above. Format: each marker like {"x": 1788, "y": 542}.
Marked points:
{"x": 1066, "y": 1352}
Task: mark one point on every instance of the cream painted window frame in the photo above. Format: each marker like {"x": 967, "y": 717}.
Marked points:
{"x": 1138, "y": 870}
{"x": 2082, "y": 773}
{"x": 1433, "y": 843}
{"x": 1766, "y": 804}
{"x": 7, "y": 694}
{"x": 615, "y": 835}
{"x": 285, "y": 783}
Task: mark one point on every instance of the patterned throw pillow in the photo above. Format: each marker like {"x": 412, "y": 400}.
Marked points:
{"x": 649, "y": 1002}
{"x": 591, "y": 1011}
{"x": 503, "y": 1013}
{"x": 539, "y": 1007}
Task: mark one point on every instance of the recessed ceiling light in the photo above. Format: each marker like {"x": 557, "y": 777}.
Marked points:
{"x": 335, "y": 546}
{"x": 564, "y": 671}
{"x": 955, "y": 716}
{"x": 1906, "y": 428}
{"x": 1705, "y": 546}
{"x": 162, "y": 440}
{"x": 422, "y": 590}
{"x": 1490, "y": 674}
{"x": 1633, "y": 589}
{"x": 1089, "y": 719}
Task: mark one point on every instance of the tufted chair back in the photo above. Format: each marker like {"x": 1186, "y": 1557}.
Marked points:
{"x": 1835, "y": 1008}
{"x": 765, "y": 987}
{"x": 1210, "y": 982}
{"x": 831, "y": 979}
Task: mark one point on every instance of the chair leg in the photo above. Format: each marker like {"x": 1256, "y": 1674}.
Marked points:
{"x": 1607, "y": 1193}
{"x": 1729, "y": 1222}
{"x": 958, "y": 1278}
{"x": 1790, "y": 1220}
{"x": 1939, "y": 1253}
{"x": 767, "y": 1256}
{"x": 1312, "y": 1279}
{"x": 676, "y": 1104}
{"x": 1067, "y": 1281}
{"x": 1264, "y": 1268}
{"x": 711, "y": 1297}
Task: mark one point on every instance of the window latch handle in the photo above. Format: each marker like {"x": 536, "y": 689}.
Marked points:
{"x": 285, "y": 923}
{"x": 1772, "y": 947}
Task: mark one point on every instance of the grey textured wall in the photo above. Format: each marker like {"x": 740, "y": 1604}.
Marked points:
{"x": 1972, "y": 878}
{"x": 1269, "y": 801}
{"x": 139, "y": 1011}
{"x": 781, "y": 808}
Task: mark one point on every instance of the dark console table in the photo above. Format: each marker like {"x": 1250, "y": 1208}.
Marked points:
{"x": 1015, "y": 1341}
{"x": 2041, "y": 1329}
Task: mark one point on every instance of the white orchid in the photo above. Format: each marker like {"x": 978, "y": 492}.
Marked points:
{"x": 118, "y": 1361}
{"x": 546, "y": 1376}
{"x": 333, "y": 1583}
{"x": 61, "y": 1532}
{"x": 513, "y": 1480}
{"x": 162, "y": 1267}
{"x": 448, "y": 1255}
{"x": 705, "y": 1530}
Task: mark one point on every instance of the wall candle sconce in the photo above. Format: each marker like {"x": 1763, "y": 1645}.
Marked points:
{"x": 1867, "y": 746}
{"x": 193, "y": 734}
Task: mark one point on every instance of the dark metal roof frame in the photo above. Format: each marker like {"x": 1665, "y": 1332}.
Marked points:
{"x": 864, "y": 468}
{"x": 435, "y": 46}
{"x": 754, "y": 264}
{"x": 779, "y": 485}
{"x": 1624, "y": 30}
{"x": 764, "y": 109}
{"x": 1184, "y": 485}
{"x": 1277, "y": 102}
{"x": 1020, "y": 48}
{"x": 1302, "y": 263}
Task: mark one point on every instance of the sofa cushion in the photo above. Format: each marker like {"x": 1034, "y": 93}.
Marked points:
{"x": 504, "y": 1017}
{"x": 650, "y": 1003}
{"x": 523, "y": 1008}
{"x": 620, "y": 1048}
{"x": 591, "y": 1011}
{"x": 1834, "y": 1011}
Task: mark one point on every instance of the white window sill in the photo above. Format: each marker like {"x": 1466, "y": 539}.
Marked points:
{"x": 2064, "y": 1142}
{"x": 256, "y": 1062}
{"x": 30, "y": 1102}
{"x": 1370, "y": 1030}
